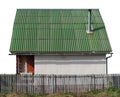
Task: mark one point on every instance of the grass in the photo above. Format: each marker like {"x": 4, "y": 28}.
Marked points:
{"x": 109, "y": 92}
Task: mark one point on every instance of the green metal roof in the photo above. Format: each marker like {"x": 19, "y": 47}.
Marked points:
{"x": 58, "y": 30}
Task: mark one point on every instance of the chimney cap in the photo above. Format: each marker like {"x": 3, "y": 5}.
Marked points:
{"x": 89, "y": 9}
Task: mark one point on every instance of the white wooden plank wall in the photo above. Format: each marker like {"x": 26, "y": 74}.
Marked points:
{"x": 70, "y": 65}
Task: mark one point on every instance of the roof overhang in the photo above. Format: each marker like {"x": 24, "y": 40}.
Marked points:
{"x": 61, "y": 53}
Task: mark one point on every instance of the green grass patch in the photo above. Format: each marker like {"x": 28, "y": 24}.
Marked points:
{"x": 109, "y": 92}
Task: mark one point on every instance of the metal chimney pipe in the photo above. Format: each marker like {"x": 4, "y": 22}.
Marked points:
{"x": 89, "y": 20}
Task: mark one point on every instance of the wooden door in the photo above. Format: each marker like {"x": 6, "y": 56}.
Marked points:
{"x": 30, "y": 64}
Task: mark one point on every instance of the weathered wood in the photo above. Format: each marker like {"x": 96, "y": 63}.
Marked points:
{"x": 43, "y": 84}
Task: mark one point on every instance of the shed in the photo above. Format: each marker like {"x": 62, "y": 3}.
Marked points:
{"x": 60, "y": 41}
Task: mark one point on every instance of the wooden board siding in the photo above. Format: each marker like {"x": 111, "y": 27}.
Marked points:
{"x": 70, "y": 65}
{"x": 24, "y": 64}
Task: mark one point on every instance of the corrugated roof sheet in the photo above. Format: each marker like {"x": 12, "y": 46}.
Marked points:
{"x": 58, "y": 30}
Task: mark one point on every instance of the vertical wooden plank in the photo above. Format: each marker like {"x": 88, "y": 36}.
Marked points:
{"x": 17, "y": 64}
{"x": 64, "y": 83}
{"x": 75, "y": 84}
{"x": 32, "y": 84}
{"x": 1, "y": 83}
{"x": 8, "y": 83}
{"x": 94, "y": 82}
{"x": 14, "y": 83}
{"x": 118, "y": 81}
{"x": 26, "y": 84}
{"x": 42, "y": 79}
{"x": 55, "y": 86}
{"x": 103, "y": 82}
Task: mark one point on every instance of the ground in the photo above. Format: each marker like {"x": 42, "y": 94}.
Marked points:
{"x": 110, "y": 92}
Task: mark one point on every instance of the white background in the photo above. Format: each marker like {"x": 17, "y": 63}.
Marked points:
{"x": 110, "y": 11}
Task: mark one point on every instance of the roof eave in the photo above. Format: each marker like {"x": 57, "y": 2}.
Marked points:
{"x": 62, "y": 53}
